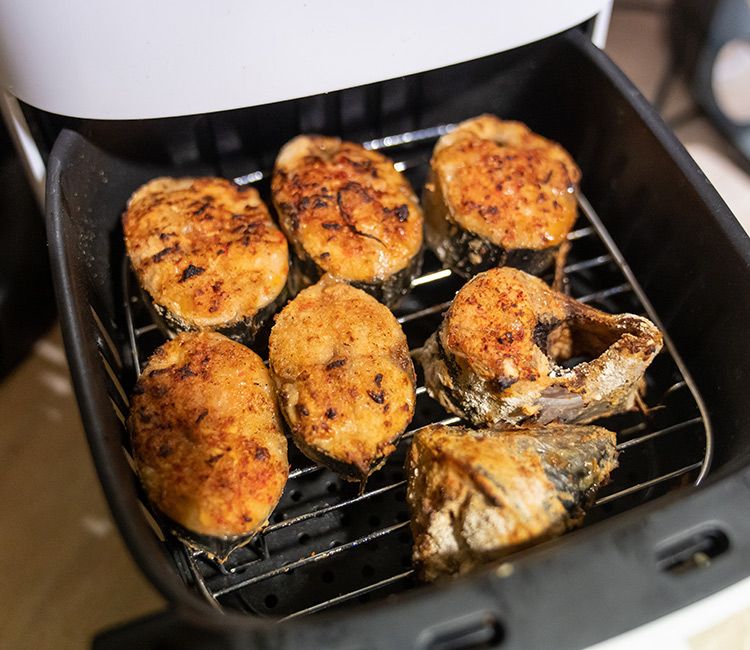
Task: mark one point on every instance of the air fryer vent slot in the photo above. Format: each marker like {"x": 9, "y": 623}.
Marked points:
{"x": 696, "y": 550}
{"x": 473, "y": 632}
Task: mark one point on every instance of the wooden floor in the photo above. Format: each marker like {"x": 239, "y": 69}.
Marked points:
{"x": 65, "y": 574}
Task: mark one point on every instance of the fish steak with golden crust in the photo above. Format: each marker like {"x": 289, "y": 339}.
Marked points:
{"x": 498, "y": 195}
{"x": 207, "y": 438}
{"x": 344, "y": 377}
{"x": 500, "y": 356}
{"x": 349, "y": 213}
{"x": 207, "y": 253}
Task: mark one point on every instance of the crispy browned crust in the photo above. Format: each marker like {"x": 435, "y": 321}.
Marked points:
{"x": 492, "y": 360}
{"x": 346, "y": 210}
{"x": 345, "y": 380}
{"x": 499, "y": 194}
{"x": 207, "y": 438}
{"x": 206, "y": 251}
{"x": 476, "y": 496}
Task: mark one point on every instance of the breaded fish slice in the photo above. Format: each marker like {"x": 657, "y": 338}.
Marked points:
{"x": 476, "y": 496}
{"x": 345, "y": 380}
{"x": 497, "y": 358}
{"x": 349, "y": 213}
{"x": 207, "y": 437}
{"x": 498, "y": 194}
{"x": 207, "y": 253}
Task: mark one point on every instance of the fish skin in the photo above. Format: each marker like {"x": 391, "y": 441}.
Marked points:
{"x": 478, "y": 495}
{"x": 494, "y": 359}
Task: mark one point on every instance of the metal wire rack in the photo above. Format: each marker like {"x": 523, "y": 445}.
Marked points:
{"x": 328, "y": 544}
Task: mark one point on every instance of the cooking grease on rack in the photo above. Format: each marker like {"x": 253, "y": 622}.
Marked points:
{"x": 326, "y": 544}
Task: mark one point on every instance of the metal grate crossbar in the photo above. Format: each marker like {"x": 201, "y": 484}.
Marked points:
{"x": 327, "y": 543}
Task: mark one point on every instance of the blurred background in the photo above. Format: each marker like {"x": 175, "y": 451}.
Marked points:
{"x": 691, "y": 60}
{"x": 66, "y": 572}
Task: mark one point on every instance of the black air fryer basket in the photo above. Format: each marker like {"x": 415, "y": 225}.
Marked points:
{"x": 333, "y": 570}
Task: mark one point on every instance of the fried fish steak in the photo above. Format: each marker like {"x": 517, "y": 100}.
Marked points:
{"x": 207, "y": 253}
{"x": 501, "y": 354}
{"x": 349, "y": 213}
{"x": 207, "y": 438}
{"x": 344, "y": 377}
{"x": 477, "y": 495}
{"x": 498, "y": 195}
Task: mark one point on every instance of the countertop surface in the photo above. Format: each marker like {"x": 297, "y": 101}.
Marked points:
{"x": 66, "y": 573}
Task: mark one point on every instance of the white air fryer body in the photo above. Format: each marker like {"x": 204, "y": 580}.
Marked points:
{"x": 143, "y": 59}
